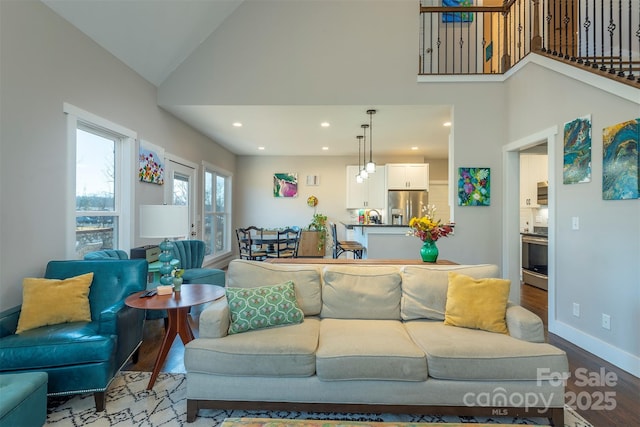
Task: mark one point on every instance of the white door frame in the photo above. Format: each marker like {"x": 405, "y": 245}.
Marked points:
{"x": 185, "y": 167}
{"x": 511, "y": 214}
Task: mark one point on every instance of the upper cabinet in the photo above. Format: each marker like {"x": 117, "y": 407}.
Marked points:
{"x": 533, "y": 169}
{"x": 408, "y": 176}
{"x": 368, "y": 194}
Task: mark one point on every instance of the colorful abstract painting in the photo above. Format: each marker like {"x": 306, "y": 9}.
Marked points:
{"x": 285, "y": 185}
{"x": 151, "y": 163}
{"x": 457, "y": 16}
{"x": 474, "y": 187}
{"x": 577, "y": 151}
{"x": 620, "y": 178}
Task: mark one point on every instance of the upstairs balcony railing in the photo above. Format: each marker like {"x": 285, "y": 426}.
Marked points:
{"x": 491, "y": 36}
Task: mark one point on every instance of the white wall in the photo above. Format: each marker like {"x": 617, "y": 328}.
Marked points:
{"x": 597, "y": 266}
{"x": 314, "y": 53}
{"x": 44, "y": 63}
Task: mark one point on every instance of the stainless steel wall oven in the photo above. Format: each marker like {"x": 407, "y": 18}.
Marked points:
{"x": 534, "y": 259}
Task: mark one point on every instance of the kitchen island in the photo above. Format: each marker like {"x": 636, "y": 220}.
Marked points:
{"x": 385, "y": 241}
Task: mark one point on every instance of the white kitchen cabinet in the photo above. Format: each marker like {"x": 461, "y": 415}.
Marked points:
{"x": 533, "y": 169}
{"x": 408, "y": 176}
{"x": 369, "y": 194}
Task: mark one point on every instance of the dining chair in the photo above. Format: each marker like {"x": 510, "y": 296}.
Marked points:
{"x": 345, "y": 246}
{"x": 286, "y": 245}
{"x": 250, "y": 243}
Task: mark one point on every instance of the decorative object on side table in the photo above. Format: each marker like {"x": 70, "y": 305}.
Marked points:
{"x": 177, "y": 278}
{"x": 164, "y": 221}
{"x": 319, "y": 224}
{"x": 429, "y": 230}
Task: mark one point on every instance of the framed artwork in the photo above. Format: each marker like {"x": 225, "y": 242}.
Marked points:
{"x": 285, "y": 185}
{"x": 474, "y": 186}
{"x": 620, "y": 178}
{"x": 577, "y": 151}
{"x": 457, "y": 16}
{"x": 151, "y": 163}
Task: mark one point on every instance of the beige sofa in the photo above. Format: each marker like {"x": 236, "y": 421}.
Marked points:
{"x": 372, "y": 340}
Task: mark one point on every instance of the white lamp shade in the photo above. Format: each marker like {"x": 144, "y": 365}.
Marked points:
{"x": 164, "y": 221}
{"x": 371, "y": 167}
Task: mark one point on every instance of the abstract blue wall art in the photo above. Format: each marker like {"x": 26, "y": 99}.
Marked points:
{"x": 457, "y": 16}
{"x": 577, "y": 151}
{"x": 620, "y": 160}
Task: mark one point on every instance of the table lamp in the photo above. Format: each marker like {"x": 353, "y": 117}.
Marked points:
{"x": 164, "y": 221}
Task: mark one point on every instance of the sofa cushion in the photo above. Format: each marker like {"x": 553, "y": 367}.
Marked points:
{"x": 288, "y": 351}
{"x": 467, "y": 354}
{"x": 477, "y": 303}
{"x": 424, "y": 288}
{"x": 53, "y": 301}
{"x": 56, "y": 346}
{"x": 262, "y": 307}
{"x": 352, "y": 349}
{"x": 359, "y": 292}
{"x": 306, "y": 279}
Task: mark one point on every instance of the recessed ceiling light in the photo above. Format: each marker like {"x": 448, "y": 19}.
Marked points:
{"x": 325, "y": 124}
{"x": 446, "y": 124}
{"x": 414, "y": 148}
{"x": 325, "y": 148}
{"x": 237, "y": 124}
{"x": 261, "y": 148}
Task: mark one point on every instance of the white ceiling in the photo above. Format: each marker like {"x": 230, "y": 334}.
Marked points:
{"x": 154, "y": 37}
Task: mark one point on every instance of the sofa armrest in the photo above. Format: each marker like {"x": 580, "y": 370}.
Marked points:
{"x": 108, "y": 319}
{"x": 523, "y": 324}
{"x": 214, "y": 320}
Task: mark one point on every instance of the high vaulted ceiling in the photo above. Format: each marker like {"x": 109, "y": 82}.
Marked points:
{"x": 154, "y": 37}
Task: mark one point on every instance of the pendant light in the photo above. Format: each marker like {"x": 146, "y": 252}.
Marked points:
{"x": 371, "y": 166}
{"x": 359, "y": 178}
{"x": 363, "y": 173}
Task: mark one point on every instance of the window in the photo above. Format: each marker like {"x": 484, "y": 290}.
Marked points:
{"x": 217, "y": 212}
{"x": 102, "y": 180}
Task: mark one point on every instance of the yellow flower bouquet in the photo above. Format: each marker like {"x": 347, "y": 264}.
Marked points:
{"x": 427, "y": 228}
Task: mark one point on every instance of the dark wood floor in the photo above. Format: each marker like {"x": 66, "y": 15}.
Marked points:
{"x": 624, "y": 397}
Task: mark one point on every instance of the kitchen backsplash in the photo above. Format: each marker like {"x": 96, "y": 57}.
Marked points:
{"x": 533, "y": 217}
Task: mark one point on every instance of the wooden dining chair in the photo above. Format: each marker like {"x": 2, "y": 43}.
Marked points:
{"x": 250, "y": 243}
{"x": 286, "y": 244}
{"x": 345, "y": 246}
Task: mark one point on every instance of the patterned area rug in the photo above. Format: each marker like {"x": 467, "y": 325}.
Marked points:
{"x": 129, "y": 403}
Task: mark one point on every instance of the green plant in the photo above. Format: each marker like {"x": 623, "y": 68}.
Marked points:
{"x": 319, "y": 223}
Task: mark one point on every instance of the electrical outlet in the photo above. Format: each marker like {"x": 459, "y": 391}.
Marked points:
{"x": 606, "y": 321}
{"x": 576, "y": 309}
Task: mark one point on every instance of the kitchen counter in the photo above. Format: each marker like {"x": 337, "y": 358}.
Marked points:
{"x": 352, "y": 225}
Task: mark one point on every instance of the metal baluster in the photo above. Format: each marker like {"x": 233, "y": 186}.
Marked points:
{"x": 621, "y": 70}
{"x": 573, "y": 33}
{"x": 602, "y": 67}
{"x": 586, "y": 25}
{"x": 611, "y": 29}
{"x": 631, "y": 76}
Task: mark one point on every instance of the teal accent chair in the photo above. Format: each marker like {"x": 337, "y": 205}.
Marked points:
{"x": 81, "y": 357}
{"x": 190, "y": 253}
{"x": 107, "y": 254}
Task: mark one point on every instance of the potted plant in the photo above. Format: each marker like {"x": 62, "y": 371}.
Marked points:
{"x": 319, "y": 224}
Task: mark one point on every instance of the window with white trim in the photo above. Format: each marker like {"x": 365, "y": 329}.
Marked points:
{"x": 101, "y": 184}
{"x": 217, "y": 212}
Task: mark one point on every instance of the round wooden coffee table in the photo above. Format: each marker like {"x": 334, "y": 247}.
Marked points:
{"x": 177, "y": 305}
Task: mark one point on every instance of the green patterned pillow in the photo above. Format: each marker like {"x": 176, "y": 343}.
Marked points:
{"x": 262, "y": 307}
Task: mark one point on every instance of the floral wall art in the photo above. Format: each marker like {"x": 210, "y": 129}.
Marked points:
{"x": 151, "y": 163}
{"x": 620, "y": 178}
{"x": 474, "y": 186}
{"x": 577, "y": 151}
{"x": 285, "y": 185}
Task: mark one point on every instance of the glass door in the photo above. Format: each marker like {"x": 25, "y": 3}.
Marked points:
{"x": 180, "y": 190}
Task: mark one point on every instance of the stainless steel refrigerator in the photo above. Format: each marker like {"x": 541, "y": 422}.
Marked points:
{"x": 405, "y": 204}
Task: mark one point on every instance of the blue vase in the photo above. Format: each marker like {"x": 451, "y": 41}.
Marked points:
{"x": 429, "y": 251}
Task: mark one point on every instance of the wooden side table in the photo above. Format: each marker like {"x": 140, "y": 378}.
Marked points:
{"x": 177, "y": 305}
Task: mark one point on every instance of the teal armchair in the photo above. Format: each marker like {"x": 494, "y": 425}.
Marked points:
{"x": 81, "y": 357}
{"x": 190, "y": 253}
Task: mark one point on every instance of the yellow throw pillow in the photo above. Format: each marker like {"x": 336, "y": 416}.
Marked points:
{"x": 53, "y": 301}
{"x": 477, "y": 303}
